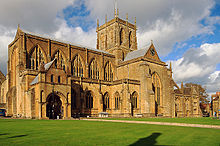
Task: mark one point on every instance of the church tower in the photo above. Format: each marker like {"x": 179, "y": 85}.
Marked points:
{"x": 117, "y": 37}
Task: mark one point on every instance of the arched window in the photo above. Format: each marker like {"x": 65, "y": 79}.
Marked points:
{"x": 108, "y": 72}
{"x": 89, "y": 100}
{"x": 117, "y": 100}
{"x": 122, "y": 36}
{"x": 130, "y": 39}
{"x": 106, "y": 101}
{"x": 93, "y": 70}
{"x": 76, "y": 67}
{"x": 60, "y": 61}
{"x": 134, "y": 98}
{"x": 36, "y": 58}
{"x": 156, "y": 87}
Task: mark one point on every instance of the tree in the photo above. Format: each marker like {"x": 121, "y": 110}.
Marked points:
{"x": 201, "y": 91}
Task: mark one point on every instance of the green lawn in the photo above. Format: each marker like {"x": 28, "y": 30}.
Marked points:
{"x": 202, "y": 120}
{"x": 74, "y": 132}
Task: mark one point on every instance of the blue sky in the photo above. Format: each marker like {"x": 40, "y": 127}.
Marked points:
{"x": 184, "y": 32}
{"x": 197, "y": 41}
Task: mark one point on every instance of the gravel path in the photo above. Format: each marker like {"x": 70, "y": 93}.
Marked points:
{"x": 158, "y": 123}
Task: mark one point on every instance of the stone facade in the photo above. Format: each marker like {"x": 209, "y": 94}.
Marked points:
{"x": 48, "y": 78}
{"x": 215, "y": 105}
{"x": 187, "y": 103}
{"x": 2, "y": 80}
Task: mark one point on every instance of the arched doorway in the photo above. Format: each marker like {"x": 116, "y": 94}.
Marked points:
{"x": 54, "y": 107}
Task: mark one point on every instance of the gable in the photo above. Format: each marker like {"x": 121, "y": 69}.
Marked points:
{"x": 152, "y": 53}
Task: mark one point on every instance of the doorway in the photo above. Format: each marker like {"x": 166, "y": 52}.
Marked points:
{"x": 54, "y": 107}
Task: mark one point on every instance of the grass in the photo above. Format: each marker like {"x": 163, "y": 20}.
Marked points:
{"x": 75, "y": 132}
{"x": 200, "y": 120}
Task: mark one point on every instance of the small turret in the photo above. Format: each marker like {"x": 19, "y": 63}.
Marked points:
{"x": 182, "y": 88}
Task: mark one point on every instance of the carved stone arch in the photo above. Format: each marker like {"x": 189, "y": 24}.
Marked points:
{"x": 94, "y": 69}
{"x": 55, "y": 105}
{"x": 61, "y": 59}
{"x": 117, "y": 100}
{"x": 77, "y": 66}
{"x": 89, "y": 99}
{"x": 36, "y": 56}
{"x": 78, "y": 54}
{"x": 42, "y": 50}
{"x": 158, "y": 77}
{"x": 134, "y": 102}
{"x": 134, "y": 99}
{"x": 108, "y": 71}
{"x": 63, "y": 54}
{"x": 106, "y": 101}
{"x": 62, "y": 96}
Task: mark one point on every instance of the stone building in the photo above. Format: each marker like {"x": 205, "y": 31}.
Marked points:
{"x": 215, "y": 104}
{"x": 2, "y": 80}
{"x": 48, "y": 78}
{"x": 187, "y": 102}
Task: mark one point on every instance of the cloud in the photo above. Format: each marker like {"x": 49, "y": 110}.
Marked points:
{"x": 198, "y": 65}
{"x": 75, "y": 35}
{"x": 33, "y": 15}
{"x": 6, "y": 36}
{"x": 165, "y": 22}
{"x": 36, "y": 16}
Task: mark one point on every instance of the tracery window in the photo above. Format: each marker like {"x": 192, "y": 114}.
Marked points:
{"x": 108, "y": 72}
{"x": 134, "y": 98}
{"x": 76, "y": 67}
{"x": 36, "y": 58}
{"x": 59, "y": 62}
{"x": 156, "y": 86}
{"x": 106, "y": 101}
{"x": 89, "y": 100}
{"x": 93, "y": 70}
{"x": 117, "y": 100}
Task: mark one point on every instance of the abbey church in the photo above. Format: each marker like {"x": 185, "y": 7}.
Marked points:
{"x": 48, "y": 78}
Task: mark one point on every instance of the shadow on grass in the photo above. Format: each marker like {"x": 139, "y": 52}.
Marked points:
{"x": 16, "y": 136}
{"x": 1, "y": 134}
{"x": 150, "y": 140}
